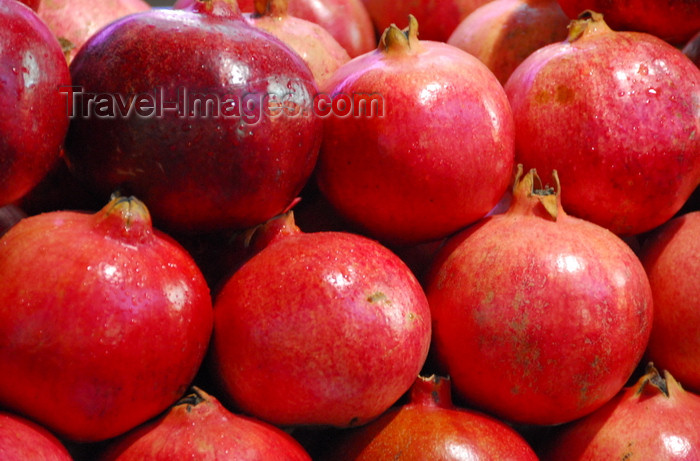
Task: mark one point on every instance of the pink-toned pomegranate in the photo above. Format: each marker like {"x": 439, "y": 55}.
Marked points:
{"x": 211, "y": 137}
{"x": 538, "y": 317}
{"x": 430, "y": 427}
{"x": 23, "y": 440}
{"x": 74, "y": 21}
{"x": 616, "y": 114}
{"x": 438, "y": 18}
{"x": 35, "y": 121}
{"x": 655, "y": 419}
{"x": 671, "y": 20}
{"x": 671, "y": 257}
{"x": 104, "y": 321}
{"x": 326, "y": 328}
{"x": 412, "y": 131}
{"x": 502, "y": 33}
{"x": 199, "y": 427}
{"x": 313, "y": 43}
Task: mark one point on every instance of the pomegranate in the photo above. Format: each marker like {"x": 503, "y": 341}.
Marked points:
{"x": 438, "y": 18}
{"x": 429, "y": 426}
{"x": 671, "y": 20}
{"x": 538, "y": 317}
{"x": 671, "y": 257}
{"x": 314, "y": 44}
{"x": 616, "y": 114}
{"x": 211, "y": 137}
{"x": 325, "y": 328}
{"x": 23, "y": 440}
{"x": 104, "y": 321}
{"x": 390, "y": 162}
{"x": 35, "y": 121}
{"x": 347, "y": 21}
{"x": 653, "y": 420}
{"x": 692, "y": 49}
{"x": 33, "y": 4}
{"x": 502, "y": 33}
{"x": 199, "y": 427}
{"x": 73, "y": 22}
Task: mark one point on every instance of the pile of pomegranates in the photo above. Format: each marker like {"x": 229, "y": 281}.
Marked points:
{"x": 349, "y": 230}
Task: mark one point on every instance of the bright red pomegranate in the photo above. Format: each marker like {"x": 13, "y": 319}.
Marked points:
{"x": 73, "y": 22}
{"x": 671, "y": 257}
{"x": 653, "y": 420}
{"x": 502, "y": 33}
{"x": 538, "y": 317}
{"x": 616, "y": 114}
{"x": 438, "y": 18}
{"x": 210, "y": 137}
{"x": 199, "y": 427}
{"x": 326, "y": 328}
{"x": 313, "y": 43}
{"x": 104, "y": 321}
{"x": 671, "y": 20}
{"x": 35, "y": 121}
{"x": 429, "y": 426}
{"x": 23, "y": 440}
{"x": 390, "y": 161}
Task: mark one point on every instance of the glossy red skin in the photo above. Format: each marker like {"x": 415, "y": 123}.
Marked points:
{"x": 429, "y": 426}
{"x": 315, "y": 45}
{"x": 671, "y": 20}
{"x": 33, "y": 67}
{"x": 438, "y": 19}
{"x": 325, "y": 328}
{"x": 502, "y": 33}
{"x": 205, "y": 430}
{"x": 195, "y": 173}
{"x": 640, "y": 423}
{"x": 33, "y": 4}
{"x": 671, "y": 257}
{"x": 91, "y": 309}
{"x": 75, "y": 21}
{"x": 405, "y": 177}
{"x": 22, "y": 440}
{"x": 616, "y": 113}
{"x": 538, "y": 321}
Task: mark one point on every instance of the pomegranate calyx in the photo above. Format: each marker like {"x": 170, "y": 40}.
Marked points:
{"x": 588, "y": 22}
{"x": 125, "y": 218}
{"x": 271, "y": 8}
{"x": 433, "y": 391}
{"x": 395, "y": 40}
{"x": 193, "y": 398}
{"x": 218, "y": 8}
{"x": 530, "y": 185}
{"x": 653, "y": 378}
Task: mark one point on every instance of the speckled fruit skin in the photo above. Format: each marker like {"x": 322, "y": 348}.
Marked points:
{"x": 536, "y": 320}
{"x": 502, "y": 33}
{"x": 655, "y": 419}
{"x": 104, "y": 321}
{"x": 414, "y": 169}
{"x": 429, "y": 426}
{"x": 671, "y": 257}
{"x": 197, "y": 172}
{"x": 23, "y": 440}
{"x": 35, "y": 121}
{"x": 199, "y": 427}
{"x": 315, "y": 45}
{"x": 617, "y": 115}
{"x": 326, "y": 328}
{"x": 73, "y": 22}
{"x": 671, "y": 20}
